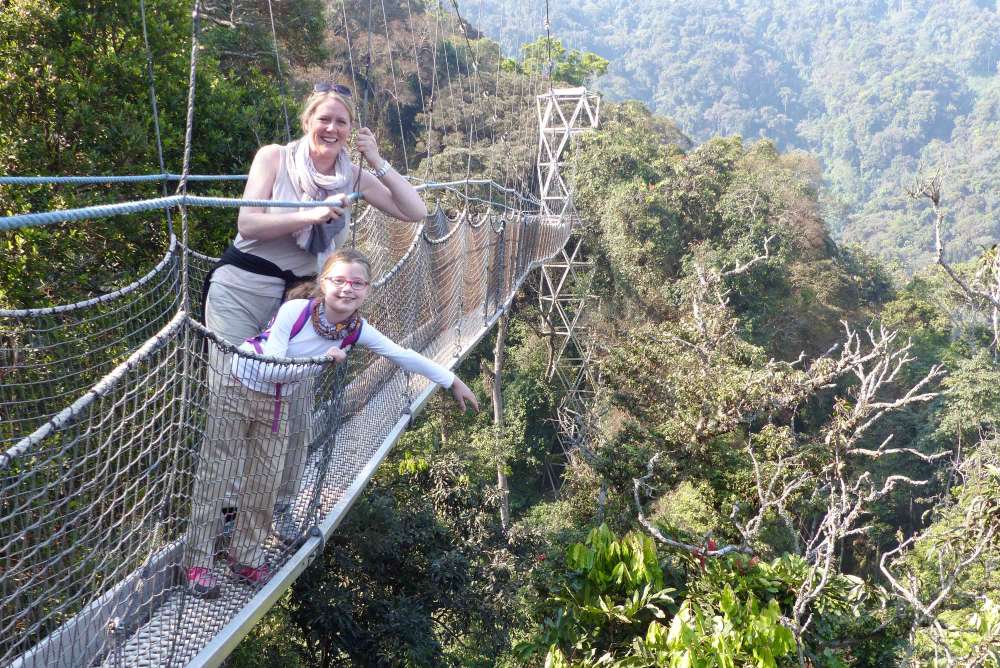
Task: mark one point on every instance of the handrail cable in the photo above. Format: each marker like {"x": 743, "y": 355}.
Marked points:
{"x": 115, "y": 178}
{"x": 136, "y": 206}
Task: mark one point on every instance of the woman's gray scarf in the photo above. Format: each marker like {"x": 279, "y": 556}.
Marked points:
{"x": 317, "y": 239}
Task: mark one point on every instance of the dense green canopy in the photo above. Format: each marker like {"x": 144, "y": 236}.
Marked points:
{"x": 876, "y": 89}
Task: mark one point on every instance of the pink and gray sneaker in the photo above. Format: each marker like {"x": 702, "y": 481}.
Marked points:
{"x": 257, "y": 576}
{"x": 202, "y": 583}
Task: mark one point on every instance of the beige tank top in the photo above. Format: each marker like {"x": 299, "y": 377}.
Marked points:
{"x": 283, "y": 251}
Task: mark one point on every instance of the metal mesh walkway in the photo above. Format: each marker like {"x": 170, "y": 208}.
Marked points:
{"x": 100, "y": 453}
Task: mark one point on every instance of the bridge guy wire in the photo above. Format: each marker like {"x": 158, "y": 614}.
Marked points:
{"x": 155, "y": 110}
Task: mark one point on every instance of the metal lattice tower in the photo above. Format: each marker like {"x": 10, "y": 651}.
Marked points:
{"x": 564, "y": 291}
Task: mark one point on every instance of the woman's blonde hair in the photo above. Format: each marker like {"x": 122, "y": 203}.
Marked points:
{"x": 317, "y": 99}
{"x": 348, "y": 255}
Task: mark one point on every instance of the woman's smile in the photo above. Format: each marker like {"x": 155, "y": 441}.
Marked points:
{"x": 329, "y": 127}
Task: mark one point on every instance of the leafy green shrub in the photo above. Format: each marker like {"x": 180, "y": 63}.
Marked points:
{"x": 608, "y": 594}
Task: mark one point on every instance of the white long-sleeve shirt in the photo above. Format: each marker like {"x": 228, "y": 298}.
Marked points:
{"x": 262, "y": 376}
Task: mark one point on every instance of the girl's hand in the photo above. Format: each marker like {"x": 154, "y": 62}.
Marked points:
{"x": 368, "y": 147}
{"x": 462, "y": 393}
{"x": 337, "y": 354}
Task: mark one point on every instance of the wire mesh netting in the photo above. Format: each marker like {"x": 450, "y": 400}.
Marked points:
{"x": 50, "y": 356}
{"x": 131, "y": 453}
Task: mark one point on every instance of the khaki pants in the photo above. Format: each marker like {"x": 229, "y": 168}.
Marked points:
{"x": 223, "y": 476}
{"x": 236, "y": 315}
{"x": 248, "y": 435}
{"x": 298, "y": 444}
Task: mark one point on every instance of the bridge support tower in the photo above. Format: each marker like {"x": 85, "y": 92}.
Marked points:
{"x": 564, "y": 291}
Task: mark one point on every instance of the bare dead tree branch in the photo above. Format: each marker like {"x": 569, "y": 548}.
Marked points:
{"x": 830, "y": 469}
{"x": 743, "y": 268}
{"x": 640, "y": 483}
{"x": 988, "y": 276}
{"x": 973, "y": 539}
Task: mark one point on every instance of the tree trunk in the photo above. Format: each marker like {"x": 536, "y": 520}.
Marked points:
{"x": 498, "y": 357}
{"x": 602, "y": 501}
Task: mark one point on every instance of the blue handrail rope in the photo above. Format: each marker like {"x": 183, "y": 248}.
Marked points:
{"x": 136, "y": 206}
{"x": 114, "y": 178}
{"x": 140, "y": 178}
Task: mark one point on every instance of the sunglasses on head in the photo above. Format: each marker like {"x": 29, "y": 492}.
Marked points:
{"x": 324, "y": 87}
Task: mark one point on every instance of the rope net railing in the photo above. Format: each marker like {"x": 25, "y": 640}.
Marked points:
{"x": 50, "y": 356}
{"x": 120, "y": 439}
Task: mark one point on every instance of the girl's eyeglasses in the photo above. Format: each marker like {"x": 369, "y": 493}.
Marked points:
{"x": 338, "y": 282}
{"x": 325, "y": 87}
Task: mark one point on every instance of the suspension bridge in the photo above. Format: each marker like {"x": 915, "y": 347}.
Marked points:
{"x": 104, "y": 404}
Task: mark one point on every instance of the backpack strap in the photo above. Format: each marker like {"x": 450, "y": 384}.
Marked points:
{"x": 255, "y": 341}
{"x": 301, "y": 321}
{"x": 353, "y": 337}
{"x": 297, "y": 326}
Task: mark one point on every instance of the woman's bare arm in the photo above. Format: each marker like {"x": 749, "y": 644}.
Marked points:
{"x": 392, "y": 194}
{"x": 255, "y": 222}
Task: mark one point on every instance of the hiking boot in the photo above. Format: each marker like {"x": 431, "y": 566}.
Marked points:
{"x": 256, "y": 576}
{"x": 202, "y": 583}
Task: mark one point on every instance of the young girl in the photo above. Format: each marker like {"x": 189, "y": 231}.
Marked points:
{"x": 254, "y": 414}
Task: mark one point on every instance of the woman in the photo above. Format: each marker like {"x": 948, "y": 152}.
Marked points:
{"x": 276, "y": 247}
{"x": 247, "y": 288}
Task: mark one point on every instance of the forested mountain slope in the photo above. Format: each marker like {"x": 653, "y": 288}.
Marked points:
{"x": 875, "y": 88}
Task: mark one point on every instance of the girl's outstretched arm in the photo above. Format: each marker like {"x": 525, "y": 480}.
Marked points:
{"x": 414, "y": 362}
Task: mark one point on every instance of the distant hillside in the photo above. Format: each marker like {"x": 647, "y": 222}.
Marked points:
{"x": 875, "y": 88}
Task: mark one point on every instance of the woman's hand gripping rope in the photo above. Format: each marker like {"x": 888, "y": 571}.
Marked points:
{"x": 317, "y": 215}
{"x": 367, "y": 145}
